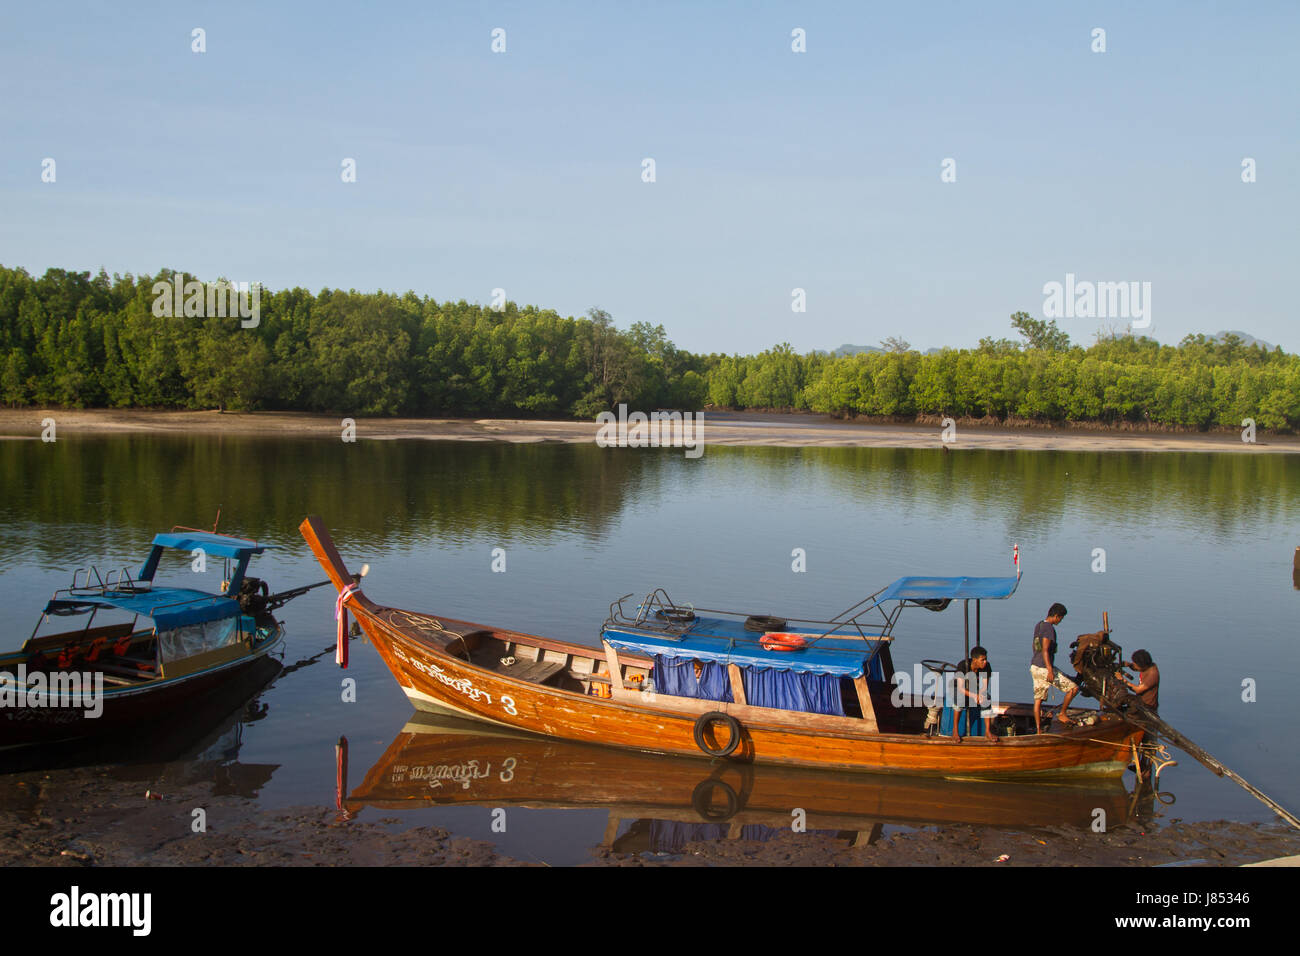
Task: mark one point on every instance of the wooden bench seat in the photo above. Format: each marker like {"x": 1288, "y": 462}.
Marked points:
{"x": 535, "y": 672}
{"x": 127, "y": 670}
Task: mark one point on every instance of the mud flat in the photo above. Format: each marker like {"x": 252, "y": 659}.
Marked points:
{"x": 720, "y": 428}
{"x": 101, "y": 816}
{"x": 91, "y": 817}
{"x": 1220, "y": 843}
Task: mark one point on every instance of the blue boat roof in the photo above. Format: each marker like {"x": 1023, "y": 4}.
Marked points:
{"x": 727, "y": 642}
{"x": 170, "y": 608}
{"x": 223, "y": 546}
{"x": 929, "y": 589}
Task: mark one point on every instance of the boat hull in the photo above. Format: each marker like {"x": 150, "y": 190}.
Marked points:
{"x": 122, "y": 707}
{"x": 442, "y": 666}
{"x": 437, "y": 682}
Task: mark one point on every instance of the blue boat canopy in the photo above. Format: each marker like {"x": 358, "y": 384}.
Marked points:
{"x": 170, "y": 608}
{"x": 727, "y": 642}
{"x": 932, "y": 589}
{"x": 217, "y": 545}
{"x": 221, "y": 545}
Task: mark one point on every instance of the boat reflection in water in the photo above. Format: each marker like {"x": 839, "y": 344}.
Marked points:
{"x": 204, "y": 746}
{"x": 438, "y": 762}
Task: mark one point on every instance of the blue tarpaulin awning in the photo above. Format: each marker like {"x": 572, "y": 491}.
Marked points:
{"x": 170, "y": 608}
{"x": 727, "y": 642}
{"x": 217, "y": 545}
{"x": 931, "y": 589}
{"x": 221, "y": 545}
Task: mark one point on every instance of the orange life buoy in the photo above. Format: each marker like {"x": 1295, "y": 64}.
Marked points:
{"x": 781, "y": 641}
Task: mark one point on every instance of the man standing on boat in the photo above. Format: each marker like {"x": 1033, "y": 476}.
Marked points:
{"x": 1041, "y": 668}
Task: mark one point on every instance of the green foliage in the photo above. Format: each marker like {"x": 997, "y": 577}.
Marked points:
{"x": 67, "y": 339}
{"x": 1040, "y": 334}
{"x": 71, "y": 339}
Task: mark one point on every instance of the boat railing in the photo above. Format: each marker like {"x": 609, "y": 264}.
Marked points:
{"x": 98, "y": 585}
{"x": 832, "y": 628}
{"x": 658, "y": 613}
{"x": 89, "y": 581}
{"x": 120, "y": 579}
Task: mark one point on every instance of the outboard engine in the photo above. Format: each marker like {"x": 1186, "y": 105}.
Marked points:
{"x": 1096, "y": 658}
{"x": 252, "y": 596}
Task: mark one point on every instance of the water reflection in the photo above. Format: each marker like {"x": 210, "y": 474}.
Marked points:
{"x": 123, "y": 489}
{"x": 394, "y": 493}
{"x": 198, "y": 742}
{"x": 446, "y": 762}
{"x": 1191, "y": 540}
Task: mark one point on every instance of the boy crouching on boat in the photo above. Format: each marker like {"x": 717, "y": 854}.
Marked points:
{"x": 973, "y": 677}
{"x": 1043, "y": 672}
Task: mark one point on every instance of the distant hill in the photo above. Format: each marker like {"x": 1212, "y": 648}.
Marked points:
{"x": 1246, "y": 338}
{"x": 847, "y": 349}
{"x": 857, "y": 349}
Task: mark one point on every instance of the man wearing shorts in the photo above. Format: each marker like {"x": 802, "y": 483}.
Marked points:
{"x": 973, "y": 715}
{"x": 1043, "y": 672}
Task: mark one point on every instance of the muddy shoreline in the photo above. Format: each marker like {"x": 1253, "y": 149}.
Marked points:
{"x": 720, "y": 428}
{"x": 101, "y": 816}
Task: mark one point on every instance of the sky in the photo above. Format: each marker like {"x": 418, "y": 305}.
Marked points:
{"x": 774, "y": 170}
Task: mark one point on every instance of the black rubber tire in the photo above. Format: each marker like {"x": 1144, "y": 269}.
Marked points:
{"x": 702, "y": 723}
{"x": 677, "y": 615}
{"x": 932, "y": 604}
{"x": 761, "y": 622}
{"x": 703, "y": 805}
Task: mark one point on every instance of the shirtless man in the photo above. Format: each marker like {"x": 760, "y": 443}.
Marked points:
{"x": 1148, "y": 685}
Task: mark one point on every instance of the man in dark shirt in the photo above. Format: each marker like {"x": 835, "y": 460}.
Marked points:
{"x": 1148, "y": 685}
{"x": 1043, "y": 672}
{"x": 974, "y": 675}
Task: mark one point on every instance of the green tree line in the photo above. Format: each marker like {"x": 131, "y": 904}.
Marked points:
{"x": 73, "y": 340}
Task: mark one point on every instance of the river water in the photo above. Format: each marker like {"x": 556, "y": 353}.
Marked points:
{"x": 1197, "y": 551}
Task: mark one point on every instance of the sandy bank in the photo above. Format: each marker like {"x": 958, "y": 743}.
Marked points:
{"x": 722, "y": 428}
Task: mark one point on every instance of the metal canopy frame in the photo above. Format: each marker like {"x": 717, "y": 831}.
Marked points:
{"x": 871, "y": 619}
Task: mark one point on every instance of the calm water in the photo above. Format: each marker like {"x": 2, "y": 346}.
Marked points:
{"x": 1197, "y": 548}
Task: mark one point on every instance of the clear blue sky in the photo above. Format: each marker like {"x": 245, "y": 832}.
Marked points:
{"x": 775, "y": 170}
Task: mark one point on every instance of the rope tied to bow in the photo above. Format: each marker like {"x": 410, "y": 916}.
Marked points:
{"x": 341, "y": 615}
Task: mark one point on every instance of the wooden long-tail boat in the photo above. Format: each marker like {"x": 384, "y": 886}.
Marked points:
{"x": 146, "y": 652}
{"x": 669, "y": 677}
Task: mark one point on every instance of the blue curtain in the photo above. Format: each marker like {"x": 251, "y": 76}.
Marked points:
{"x": 764, "y": 686}
{"x": 668, "y": 836}
{"x": 876, "y": 669}
{"x": 788, "y": 690}
{"x": 676, "y": 676}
